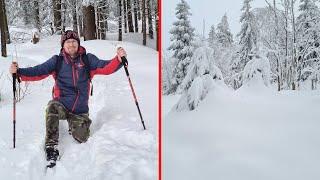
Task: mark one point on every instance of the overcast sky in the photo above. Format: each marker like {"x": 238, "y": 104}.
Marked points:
{"x": 210, "y": 10}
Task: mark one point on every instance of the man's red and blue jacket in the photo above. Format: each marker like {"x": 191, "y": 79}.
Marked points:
{"x": 72, "y": 83}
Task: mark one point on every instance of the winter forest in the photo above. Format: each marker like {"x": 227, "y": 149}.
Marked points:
{"x": 92, "y": 19}
{"x": 242, "y": 105}
{"x": 277, "y": 44}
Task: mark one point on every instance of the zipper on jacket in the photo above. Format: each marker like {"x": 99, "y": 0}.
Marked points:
{"x": 75, "y": 102}
{"x": 75, "y": 80}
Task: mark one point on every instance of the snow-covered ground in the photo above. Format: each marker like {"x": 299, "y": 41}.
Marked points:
{"x": 118, "y": 147}
{"x": 254, "y": 133}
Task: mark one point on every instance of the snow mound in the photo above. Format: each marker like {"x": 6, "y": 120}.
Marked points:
{"x": 255, "y": 86}
{"x": 256, "y": 77}
{"x": 198, "y": 91}
{"x": 260, "y": 67}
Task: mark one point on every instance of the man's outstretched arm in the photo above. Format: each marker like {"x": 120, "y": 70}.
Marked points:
{"x": 105, "y": 67}
{"x": 38, "y": 72}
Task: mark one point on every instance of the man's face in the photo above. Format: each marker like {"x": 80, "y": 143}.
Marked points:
{"x": 71, "y": 47}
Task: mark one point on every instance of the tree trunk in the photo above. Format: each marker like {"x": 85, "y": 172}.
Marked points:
{"x": 139, "y": 9}
{"x": 157, "y": 27}
{"x": 101, "y": 15}
{"x": 130, "y": 24}
{"x": 144, "y": 31}
{"x": 107, "y": 16}
{"x": 89, "y": 29}
{"x": 102, "y": 28}
{"x": 81, "y": 25}
{"x": 64, "y": 12}
{"x": 120, "y": 22}
{"x": 26, "y": 15}
{"x": 125, "y": 16}
{"x": 103, "y": 24}
{"x": 6, "y": 24}
{"x": 57, "y": 16}
{"x": 97, "y": 15}
{"x": 51, "y": 28}
{"x": 2, "y": 28}
{"x": 296, "y": 65}
{"x": 36, "y": 15}
{"x": 136, "y": 28}
{"x": 150, "y": 19}
{"x": 74, "y": 16}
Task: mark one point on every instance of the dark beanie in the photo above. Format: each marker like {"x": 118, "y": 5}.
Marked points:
{"x": 69, "y": 34}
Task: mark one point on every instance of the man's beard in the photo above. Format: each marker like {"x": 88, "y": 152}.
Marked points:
{"x": 73, "y": 53}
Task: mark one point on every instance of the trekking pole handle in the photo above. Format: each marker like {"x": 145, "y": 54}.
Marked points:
{"x": 14, "y": 76}
{"x": 124, "y": 62}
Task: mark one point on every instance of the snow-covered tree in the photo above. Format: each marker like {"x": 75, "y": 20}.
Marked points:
{"x": 167, "y": 69}
{"x": 308, "y": 40}
{"x": 257, "y": 68}
{"x": 196, "y": 93}
{"x": 202, "y": 63}
{"x": 181, "y": 43}
{"x": 247, "y": 35}
{"x": 224, "y": 35}
{"x": 202, "y": 74}
{"x": 247, "y": 42}
{"x": 212, "y": 37}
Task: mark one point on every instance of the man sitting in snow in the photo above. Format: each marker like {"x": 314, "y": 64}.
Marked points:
{"x": 72, "y": 70}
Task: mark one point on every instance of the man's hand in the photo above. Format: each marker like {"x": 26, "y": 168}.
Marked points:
{"x": 13, "y": 68}
{"x": 120, "y": 53}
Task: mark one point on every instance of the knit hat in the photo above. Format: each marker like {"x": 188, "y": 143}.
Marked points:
{"x": 69, "y": 34}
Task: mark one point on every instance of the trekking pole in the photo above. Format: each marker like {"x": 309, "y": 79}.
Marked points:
{"x": 125, "y": 64}
{"x": 14, "y": 88}
{"x": 14, "y": 77}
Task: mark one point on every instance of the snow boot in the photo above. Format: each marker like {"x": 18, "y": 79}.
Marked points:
{"x": 52, "y": 154}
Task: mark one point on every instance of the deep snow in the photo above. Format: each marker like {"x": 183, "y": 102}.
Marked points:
{"x": 249, "y": 134}
{"x": 118, "y": 147}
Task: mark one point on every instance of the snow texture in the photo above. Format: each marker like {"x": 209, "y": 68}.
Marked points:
{"x": 248, "y": 134}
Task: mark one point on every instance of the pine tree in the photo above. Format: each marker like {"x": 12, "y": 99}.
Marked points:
{"x": 202, "y": 74}
{"x": 224, "y": 35}
{"x": 201, "y": 64}
{"x": 166, "y": 74}
{"x": 247, "y": 44}
{"x": 308, "y": 41}
{"x": 181, "y": 43}
{"x": 212, "y": 37}
{"x": 247, "y": 35}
